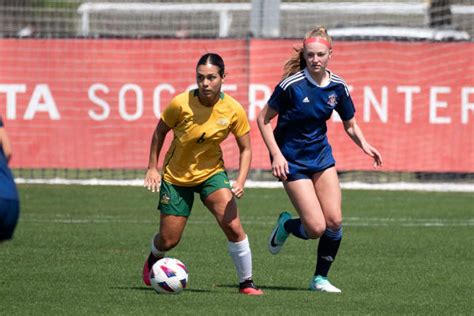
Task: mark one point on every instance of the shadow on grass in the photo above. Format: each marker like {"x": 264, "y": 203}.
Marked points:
{"x": 215, "y": 288}
{"x": 146, "y": 288}
{"x": 269, "y": 287}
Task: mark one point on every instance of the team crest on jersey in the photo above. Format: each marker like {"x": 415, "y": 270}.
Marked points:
{"x": 223, "y": 121}
{"x": 165, "y": 199}
{"x": 332, "y": 100}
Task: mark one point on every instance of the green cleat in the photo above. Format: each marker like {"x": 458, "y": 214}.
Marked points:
{"x": 279, "y": 234}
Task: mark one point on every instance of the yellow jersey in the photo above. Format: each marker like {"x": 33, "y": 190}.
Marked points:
{"x": 195, "y": 153}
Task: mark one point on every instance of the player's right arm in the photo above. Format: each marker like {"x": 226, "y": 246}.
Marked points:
{"x": 153, "y": 176}
{"x": 279, "y": 163}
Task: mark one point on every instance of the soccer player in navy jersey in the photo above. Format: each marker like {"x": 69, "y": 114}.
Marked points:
{"x": 9, "y": 201}
{"x": 300, "y": 152}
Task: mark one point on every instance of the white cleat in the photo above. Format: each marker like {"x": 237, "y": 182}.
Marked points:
{"x": 321, "y": 284}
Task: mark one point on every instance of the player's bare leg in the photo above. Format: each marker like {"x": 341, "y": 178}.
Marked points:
{"x": 222, "y": 205}
{"x": 326, "y": 185}
{"x": 171, "y": 230}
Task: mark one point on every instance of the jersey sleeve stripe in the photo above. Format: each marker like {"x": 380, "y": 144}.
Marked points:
{"x": 296, "y": 79}
{"x": 339, "y": 80}
{"x": 290, "y": 78}
{"x": 336, "y": 78}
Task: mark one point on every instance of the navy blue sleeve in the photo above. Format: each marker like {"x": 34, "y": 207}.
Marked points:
{"x": 1, "y": 121}
{"x": 345, "y": 107}
{"x": 278, "y": 100}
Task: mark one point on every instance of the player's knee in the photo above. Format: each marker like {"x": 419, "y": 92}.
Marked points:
{"x": 167, "y": 243}
{"x": 334, "y": 223}
{"x": 316, "y": 230}
{"x": 233, "y": 230}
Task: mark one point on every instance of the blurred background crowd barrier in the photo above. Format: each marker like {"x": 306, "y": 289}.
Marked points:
{"x": 82, "y": 84}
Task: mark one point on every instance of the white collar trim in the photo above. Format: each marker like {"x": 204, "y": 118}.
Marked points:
{"x": 308, "y": 76}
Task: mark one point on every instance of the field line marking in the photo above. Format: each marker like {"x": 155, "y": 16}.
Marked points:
{"x": 355, "y": 185}
{"x": 353, "y": 222}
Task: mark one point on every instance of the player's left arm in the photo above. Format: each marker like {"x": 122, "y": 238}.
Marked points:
{"x": 355, "y": 133}
{"x": 245, "y": 159}
{"x": 5, "y": 143}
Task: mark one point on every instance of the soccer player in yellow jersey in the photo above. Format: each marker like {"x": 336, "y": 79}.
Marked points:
{"x": 201, "y": 119}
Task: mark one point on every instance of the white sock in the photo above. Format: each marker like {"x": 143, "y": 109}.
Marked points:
{"x": 155, "y": 252}
{"x": 242, "y": 256}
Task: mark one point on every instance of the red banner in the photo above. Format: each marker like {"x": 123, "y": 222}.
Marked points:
{"x": 95, "y": 103}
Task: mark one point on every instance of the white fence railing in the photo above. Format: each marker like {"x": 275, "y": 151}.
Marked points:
{"x": 225, "y": 12}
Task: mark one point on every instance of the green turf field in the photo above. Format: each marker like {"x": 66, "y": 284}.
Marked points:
{"x": 79, "y": 250}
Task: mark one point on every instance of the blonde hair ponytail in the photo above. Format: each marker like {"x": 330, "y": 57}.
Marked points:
{"x": 296, "y": 62}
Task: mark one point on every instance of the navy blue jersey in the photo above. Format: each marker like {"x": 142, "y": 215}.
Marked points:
{"x": 7, "y": 185}
{"x": 303, "y": 108}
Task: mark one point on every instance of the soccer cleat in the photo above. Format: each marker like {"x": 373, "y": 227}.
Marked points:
{"x": 146, "y": 274}
{"x": 147, "y": 267}
{"x": 279, "y": 234}
{"x": 321, "y": 284}
{"x": 249, "y": 288}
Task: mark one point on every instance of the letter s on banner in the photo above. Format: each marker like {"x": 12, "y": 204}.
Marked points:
{"x": 98, "y": 101}
{"x": 157, "y": 97}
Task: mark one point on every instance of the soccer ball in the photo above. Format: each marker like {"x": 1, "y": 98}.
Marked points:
{"x": 169, "y": 276}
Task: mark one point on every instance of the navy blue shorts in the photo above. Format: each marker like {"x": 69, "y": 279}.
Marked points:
{"x": 9, "y": 214}
{"x": 305, "y": 174}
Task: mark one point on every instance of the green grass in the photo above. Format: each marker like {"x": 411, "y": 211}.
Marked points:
{"x": 79, "y": 250}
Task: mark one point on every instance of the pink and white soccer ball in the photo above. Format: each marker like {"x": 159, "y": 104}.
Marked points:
{"x": 169, "y": 276}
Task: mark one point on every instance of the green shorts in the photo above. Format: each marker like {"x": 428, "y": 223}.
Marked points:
{"x": 178, "y": 200}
